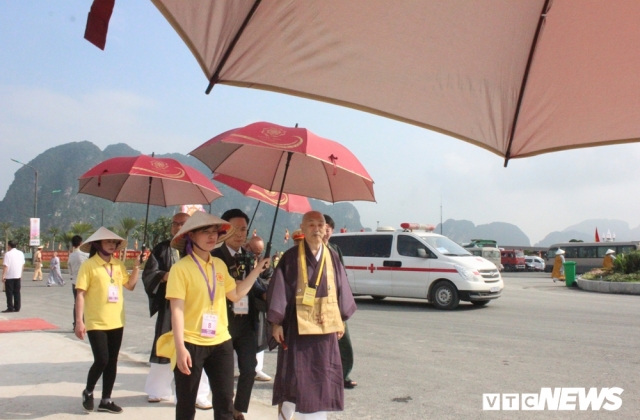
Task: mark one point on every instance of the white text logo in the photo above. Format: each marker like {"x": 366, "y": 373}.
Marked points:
{"x": 556, "y": 399}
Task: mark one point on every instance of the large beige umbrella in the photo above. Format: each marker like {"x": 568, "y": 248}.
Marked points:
{"x": 516, "y": 77}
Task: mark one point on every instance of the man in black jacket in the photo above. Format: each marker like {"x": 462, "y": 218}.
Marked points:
{"x": 242, "y": 315}
{"x": 154, "y": 277}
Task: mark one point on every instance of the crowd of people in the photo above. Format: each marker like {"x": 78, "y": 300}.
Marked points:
{"x": 215, "y": 298}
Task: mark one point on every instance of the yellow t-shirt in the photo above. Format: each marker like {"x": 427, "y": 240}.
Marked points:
{"x": 187, "y": 283}
{"x": 94, "y": 279}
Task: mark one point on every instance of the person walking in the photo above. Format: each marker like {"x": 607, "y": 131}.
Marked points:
{"x": 154, "y": 277}
{"x": 344, "y": 344}
{"x": 100, "y": 304}
{"x": 609, "y": 258}
{"x": 76, "y": 258}
{"x": 242, "y": 316}
{"x": 55, "y": 275}
{"x": 37, "y": 264}
{"x": 308, "y": 300}
{"x": 12, "y": 268}
{"x": 197, "y": 287}
{"x": 557, "y": 274}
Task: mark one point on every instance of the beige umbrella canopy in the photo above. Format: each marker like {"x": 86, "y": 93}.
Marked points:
{"x": 518, "y": 78}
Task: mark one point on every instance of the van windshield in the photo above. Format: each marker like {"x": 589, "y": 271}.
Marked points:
{"x": 446, "y": 246}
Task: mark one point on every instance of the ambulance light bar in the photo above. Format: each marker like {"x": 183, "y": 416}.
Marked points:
{"x": 417, "y": 226}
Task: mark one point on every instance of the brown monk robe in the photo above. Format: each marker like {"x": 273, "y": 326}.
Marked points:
{"x": 309, "y": 373}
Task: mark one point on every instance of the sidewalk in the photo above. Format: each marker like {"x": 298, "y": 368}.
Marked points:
{"x": 43, "y": 375}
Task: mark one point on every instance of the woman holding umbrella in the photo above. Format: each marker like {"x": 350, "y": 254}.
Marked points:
{"x": 100, "y": 311}
{"x": 200, "y": 339}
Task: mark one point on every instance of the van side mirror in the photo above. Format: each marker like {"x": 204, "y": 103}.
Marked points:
{"x": 422, "y": 253}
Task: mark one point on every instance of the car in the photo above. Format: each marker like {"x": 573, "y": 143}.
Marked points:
{"x": 414, "y": 262}
{"x": 534, "y": 263}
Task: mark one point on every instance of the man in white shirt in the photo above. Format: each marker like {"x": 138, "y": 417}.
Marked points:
{"x": 76, "y": 258}
{"x": 12, "y": 267}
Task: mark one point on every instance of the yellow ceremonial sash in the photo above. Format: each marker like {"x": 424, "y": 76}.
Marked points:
{"x": 323, "y": 315}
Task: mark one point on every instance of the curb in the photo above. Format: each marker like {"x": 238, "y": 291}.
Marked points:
{"x": 623, "y": 288}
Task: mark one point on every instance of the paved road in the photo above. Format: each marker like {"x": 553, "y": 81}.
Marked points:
{"x": 413, "y": 361}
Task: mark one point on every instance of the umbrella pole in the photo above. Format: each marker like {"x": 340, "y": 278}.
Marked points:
{"x": 273, "y": 226}
{"x": 254, "y": 216}
{"x": 146, "y": 219}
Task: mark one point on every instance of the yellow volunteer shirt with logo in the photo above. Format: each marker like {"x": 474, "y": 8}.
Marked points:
{"x": 187, "y": 283}
{"x": 93, "y": 278}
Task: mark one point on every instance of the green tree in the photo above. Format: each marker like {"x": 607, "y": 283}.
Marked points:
{"x": 127, "y": 224}
{"x": 21, "y": 237}
{"x": 65, "y": 238}
{"x": 158, "y": 231}
{"x": 54, "y": 232}
{"x": 5, "y": 228}
{"x": 83, "y": 229}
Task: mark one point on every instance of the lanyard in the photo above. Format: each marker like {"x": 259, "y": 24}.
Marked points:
{"x": 212, "y": 292}
{"x": 303, "y": 264}
{"x": 110, "y": 273}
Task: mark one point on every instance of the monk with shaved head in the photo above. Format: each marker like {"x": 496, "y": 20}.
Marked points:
{"x": 309, "y": 299}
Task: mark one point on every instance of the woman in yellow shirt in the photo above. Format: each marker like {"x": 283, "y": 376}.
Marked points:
{"x": 197, "y": 287}
{"x": 100, "y": 311}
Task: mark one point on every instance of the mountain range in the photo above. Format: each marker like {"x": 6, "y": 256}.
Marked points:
{"x": 59, "y": 204}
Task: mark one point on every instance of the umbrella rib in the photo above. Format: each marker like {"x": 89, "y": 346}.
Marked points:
{"x": 216, "y": 75}
{"x": 525, "y": 78}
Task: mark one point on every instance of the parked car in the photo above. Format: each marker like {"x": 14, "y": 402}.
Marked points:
{"x": 534, "y": 263}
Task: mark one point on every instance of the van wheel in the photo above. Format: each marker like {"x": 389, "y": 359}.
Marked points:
{"x": 377, "y": 297}
{"x": 445, "y": 296}
{"x": 480, "y": 302}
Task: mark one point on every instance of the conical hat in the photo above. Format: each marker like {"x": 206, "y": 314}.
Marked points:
{"x": 560, "y": 251}
{"x": 610, "y": 251}
{"x": 102, "y": 234}
{"x": 198, "y": 220}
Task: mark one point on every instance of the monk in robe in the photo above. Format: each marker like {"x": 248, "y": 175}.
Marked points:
{"x": 609, "y": 258}
{"x": 309, "y": 299}
{"x": 557, "y": 274}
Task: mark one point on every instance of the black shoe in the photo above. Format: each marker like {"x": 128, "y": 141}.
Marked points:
{"x": 7, "y": 310}
{"x": 87, "y": 400}
{"x": 109, "y": 407}
{"x": 349, "y": 384}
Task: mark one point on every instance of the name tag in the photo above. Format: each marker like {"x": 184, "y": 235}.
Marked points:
{"x": 209, "y": 325}
{"x": 241, "y": 307}
{"x": 309, "y": 297}
{"x": 114, "y": 294}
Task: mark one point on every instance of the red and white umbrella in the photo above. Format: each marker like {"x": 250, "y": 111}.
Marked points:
{"x": 148, "y": 180}
{"x": 289, "y": 160}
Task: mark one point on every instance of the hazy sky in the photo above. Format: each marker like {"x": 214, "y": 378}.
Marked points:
{"x": 147, "y": 90}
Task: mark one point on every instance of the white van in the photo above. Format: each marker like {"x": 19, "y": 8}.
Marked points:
{"x": 412, "y": 263}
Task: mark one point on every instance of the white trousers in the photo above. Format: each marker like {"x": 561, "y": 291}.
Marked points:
{"x": 260, "y": 359}
{"x": 160, "y": 382}
{"x": 289, "y": 412}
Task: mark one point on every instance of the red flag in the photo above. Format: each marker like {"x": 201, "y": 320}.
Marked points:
{"x": 286, "y": 236}
{"x": 98, "y": 22}
{"x": 597, "y": 236}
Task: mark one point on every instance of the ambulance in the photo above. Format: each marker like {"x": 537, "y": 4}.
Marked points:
{"x": 414, "y": 262}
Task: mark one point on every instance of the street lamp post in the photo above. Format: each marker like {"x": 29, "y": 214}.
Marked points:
{"x": 35, "y": 192}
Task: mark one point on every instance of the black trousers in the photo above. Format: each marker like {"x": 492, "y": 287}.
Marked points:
{"x": 75, "y": 295}
{"x": 105, "y": 345}
{"x": 245, "y": 345}
{"x": 12, "y": 290}
{"x": 346, "y": 353}
{"x": 217, "y": 362}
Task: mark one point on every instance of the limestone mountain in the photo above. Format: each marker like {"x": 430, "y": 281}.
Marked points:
{"x": 463, "y": 231}
{"x": 59, "y": 204}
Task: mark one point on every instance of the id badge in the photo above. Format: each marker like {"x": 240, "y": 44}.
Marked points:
{"x": 309, "y": 297}
{"x": 241, "y": 307}
{"x": 114, "y": 294}
{"x": 209, "y": 325}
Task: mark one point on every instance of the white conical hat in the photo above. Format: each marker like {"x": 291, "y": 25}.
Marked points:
{"x": 102, "y": 234}
{"x": 201, "y": 219}
{"x": 610, "y": 251}
{"x": 560, "y": 251}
